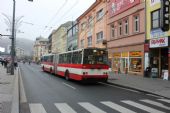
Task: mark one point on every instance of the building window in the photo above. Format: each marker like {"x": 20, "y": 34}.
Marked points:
{"x": 120, "y": 28}
{"x": 83, "y": 25}
{"x": 155, "y": 19}
{"x": 90, "y": 22}
{"x": 89, "y": 41}
{"x": 126, "y": 27}
{"x": 100, "y": 37}
{"x": 82, "y": 43}
{"x": 136, "y": 23}
{"x": 100, "y": 14}
{"x": 112, "y": 31}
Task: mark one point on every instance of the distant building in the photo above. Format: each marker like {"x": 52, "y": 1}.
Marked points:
{"x": 19, "y": 52}
{"x": 59, "y": 38}
{"x": 72, "y": 37}
{"x": 40, "y": 48}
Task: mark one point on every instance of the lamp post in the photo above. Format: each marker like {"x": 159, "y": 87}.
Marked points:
{"x": 13, "y": 39}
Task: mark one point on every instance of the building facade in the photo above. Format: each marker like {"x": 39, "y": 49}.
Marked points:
{"x": 59, "y": 38}
{"x": 72, "y": 37}
{"x": 92, "y": 25}
{"x": 158, "y": 40}
{"x": 126, "y": 35}
{"x": 40, "y": 48}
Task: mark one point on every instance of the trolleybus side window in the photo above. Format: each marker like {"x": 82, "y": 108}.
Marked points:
{"x": 77, "y": 57}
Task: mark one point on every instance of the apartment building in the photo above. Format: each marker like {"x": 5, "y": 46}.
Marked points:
{"x": 92, "y": 25}
{"x": 59, "y": 38}
{"x": 126, "y": 35}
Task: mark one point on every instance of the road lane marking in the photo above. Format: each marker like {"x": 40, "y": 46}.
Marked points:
{"x": 120, "y": 87}
{"x": 165, "y": 100}
{"x": 37, "y": 108}
{"x": 155, "y": 103}
{"x": 142, "y": 107}
{"x": 117, "y": 107}
{"x": 64, "y": 108}
{"x": 23, "y": 98}
{"x": 91, "y": 108}
{"x": 69, "y": 85}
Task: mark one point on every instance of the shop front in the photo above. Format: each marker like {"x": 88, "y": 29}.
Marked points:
{"x": 159, "y": 56}
{"x": 127, "y": 62}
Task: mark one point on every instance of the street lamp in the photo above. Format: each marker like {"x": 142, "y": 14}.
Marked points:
{"x": 13, "y": 39}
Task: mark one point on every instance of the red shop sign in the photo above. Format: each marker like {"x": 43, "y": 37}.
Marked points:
{"x": 118, "y": 6}
{"x": 160, "y": 42}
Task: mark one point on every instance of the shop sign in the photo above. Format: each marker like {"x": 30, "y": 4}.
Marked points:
{"x": 158, "y": 33}
{"x": 160, "y": 42}
{"x": 116, "y": 54}
{"x": 135, "y": 54}
{"x": 153, "y": 2}
{"x": 124, "y": 54}
{"x": 118, "y": 6}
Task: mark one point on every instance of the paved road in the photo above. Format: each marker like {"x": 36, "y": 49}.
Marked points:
{"x": 46, "y": 93}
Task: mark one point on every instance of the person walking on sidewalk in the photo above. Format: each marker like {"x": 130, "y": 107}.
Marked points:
{"x": 5, "y": 63}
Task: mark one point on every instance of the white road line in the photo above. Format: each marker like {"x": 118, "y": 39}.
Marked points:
{"x": 37, "y": 108}
{"x": 117, "y": 107}
{"x": 155, "y": 103}
{"x": 91, "y": 108}
{"x": 64, "y": 108}
{"x": 142, "y": 107}
{"x": 120, "y": 87}
{"x": 69, "y": 85}
{"x": 23, "y": 98}
{"x": 165, "y": 100}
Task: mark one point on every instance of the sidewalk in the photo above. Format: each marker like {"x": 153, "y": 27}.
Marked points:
{"x": 149, "y": 85}
{"x": 9, "y": 100}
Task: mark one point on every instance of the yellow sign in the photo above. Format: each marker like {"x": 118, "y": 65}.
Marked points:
{"x": 135, "y": 54}
{"x": 116, "y": 54}
{"x": 124, "y": 54}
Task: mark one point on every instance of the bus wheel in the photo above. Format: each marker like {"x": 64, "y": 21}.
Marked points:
{"x": 67, "y": 75}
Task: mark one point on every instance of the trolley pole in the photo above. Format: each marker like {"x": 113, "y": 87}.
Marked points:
{"x": 13, "y": 40}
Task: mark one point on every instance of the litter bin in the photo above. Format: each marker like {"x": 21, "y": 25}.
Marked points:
{"x": 147, "y": 72}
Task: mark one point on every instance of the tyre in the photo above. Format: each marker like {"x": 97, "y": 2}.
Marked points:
{"x": 67, "y": 75}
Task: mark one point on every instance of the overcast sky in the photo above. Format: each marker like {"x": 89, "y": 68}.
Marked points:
{"x": 40, "y": 17}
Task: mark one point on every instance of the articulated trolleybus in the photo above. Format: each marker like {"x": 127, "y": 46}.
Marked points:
{"x": 81, "y": 65}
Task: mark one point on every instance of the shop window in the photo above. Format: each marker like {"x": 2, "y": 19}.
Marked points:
{"x": 135, "y": 64}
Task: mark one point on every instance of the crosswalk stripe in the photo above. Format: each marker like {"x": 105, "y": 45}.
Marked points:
{"x": 155, "y": 103}
{"x": 165, "y": 100}
{"x": 117, "y": 107}
{"x": 91, "y": 108}
{"x": 64, "y": 108}
{"x": 143, "y": 107}
{"x": 37, "y": 108}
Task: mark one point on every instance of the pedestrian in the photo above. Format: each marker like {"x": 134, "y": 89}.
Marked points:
{"x": 5, "y": 63}
{"x": 15, "y": 64}
{"x": 2, "y": 62}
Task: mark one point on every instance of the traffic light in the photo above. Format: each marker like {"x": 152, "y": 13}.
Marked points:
{"x": 165, "y": 10}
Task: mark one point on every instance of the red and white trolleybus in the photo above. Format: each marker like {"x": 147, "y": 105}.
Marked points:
{"x": 81, "y": 65}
